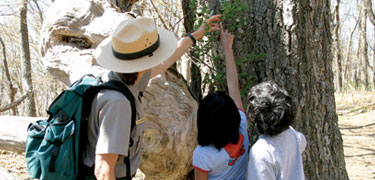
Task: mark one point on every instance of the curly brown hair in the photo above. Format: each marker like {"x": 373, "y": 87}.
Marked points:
{"x": 271, "y": 108}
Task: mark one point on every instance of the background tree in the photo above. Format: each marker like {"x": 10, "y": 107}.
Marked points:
{"x": 348, "y": 61}
{"x": 371, "y": 16}
{"x": 45, "y": 88}
{"x": 12, "y": 90}
{"x": 195, "y": 74}
{"x": 362, "y": 52}
{"x": 26, "y": 60}
{"x": 338, "y": 51}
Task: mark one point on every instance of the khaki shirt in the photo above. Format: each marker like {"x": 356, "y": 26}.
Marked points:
{"x": 109, "y": 125}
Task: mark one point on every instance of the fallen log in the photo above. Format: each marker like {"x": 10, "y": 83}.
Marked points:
{"x": 13, "y": 132}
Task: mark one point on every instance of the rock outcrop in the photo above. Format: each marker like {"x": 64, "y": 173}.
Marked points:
{"x": 72, "y": 31}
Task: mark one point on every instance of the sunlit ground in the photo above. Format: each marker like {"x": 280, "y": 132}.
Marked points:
{"x": 356, "y": 111}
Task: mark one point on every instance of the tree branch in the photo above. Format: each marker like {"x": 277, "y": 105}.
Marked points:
{"x": 370, "y": 12}
{"x": 40, "y": 12}
{"x": 348, "y": 50}
{"x": 368, "y": 63}
{"x": 16, "y": 103}
{"x": 161, "y": 18}
{"x": 12, "y": 90}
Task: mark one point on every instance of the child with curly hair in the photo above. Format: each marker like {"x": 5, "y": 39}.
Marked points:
{"x": 277, "y": 154}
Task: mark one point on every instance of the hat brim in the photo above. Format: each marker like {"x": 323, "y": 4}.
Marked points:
{"x": 104, "y": 57}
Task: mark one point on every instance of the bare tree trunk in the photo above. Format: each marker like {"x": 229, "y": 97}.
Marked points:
{"x": 338, "y": 47}
{"x": 362, "y": 45}
{"x": 297, "y": 39}
{"x": 348, "y": 61}
{"x": 357, "y": 75}
{"x": 26, "y": 61}
{"x": 370, "y": 12}
{"x": 196, "y": 77}
{"x": 371, "y": 16}
{"x": 12, "y": 90}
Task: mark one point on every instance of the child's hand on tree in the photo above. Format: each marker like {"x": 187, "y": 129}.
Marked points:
{"x": 226, "y": 38}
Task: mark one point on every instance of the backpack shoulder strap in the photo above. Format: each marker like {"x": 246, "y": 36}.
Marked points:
{"x": 112, "y": 85}
{"x": 116, "y": 85}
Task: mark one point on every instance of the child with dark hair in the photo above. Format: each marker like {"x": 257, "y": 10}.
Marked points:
{"x": 277, "y": 154}
{"x": 223, "y": 141}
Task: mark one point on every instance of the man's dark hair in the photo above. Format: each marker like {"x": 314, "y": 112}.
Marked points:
{"x": 218, "y": 120}
{"x": 271, "y": 108}
{"x": 129, "y": 78}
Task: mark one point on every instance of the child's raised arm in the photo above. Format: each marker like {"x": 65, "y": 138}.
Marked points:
{"x": 231, "y": 69}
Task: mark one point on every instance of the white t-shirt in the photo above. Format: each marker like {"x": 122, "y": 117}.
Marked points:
{"x": 277, "y": 157}
{"x": 218, "y": 164}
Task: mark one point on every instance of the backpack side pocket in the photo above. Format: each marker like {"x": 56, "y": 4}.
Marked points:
{"x": 35, "y": 136}
{"x": 57, "y": 151}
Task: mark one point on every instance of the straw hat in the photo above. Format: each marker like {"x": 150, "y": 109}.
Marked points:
{"x": 134, "y": 46}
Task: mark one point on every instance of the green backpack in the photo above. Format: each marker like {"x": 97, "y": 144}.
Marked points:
{"x": 54, "y": 146}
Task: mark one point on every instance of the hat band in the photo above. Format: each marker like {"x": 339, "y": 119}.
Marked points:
{"x": 136, "y": 55}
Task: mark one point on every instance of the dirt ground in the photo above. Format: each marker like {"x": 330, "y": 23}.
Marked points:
{"x": 356, "y": 113}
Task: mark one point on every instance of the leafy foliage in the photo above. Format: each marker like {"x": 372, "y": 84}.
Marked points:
{"x": 214, "y": 77}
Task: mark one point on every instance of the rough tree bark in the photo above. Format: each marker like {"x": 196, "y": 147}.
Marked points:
{"x": 296, "y": 36}
{"x": 338, "y": 47}
{"x": 26, "y": 61}
{"x": 12, "y": 90}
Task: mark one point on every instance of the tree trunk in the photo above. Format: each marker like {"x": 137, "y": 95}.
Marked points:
{"x": 371, "y": 16}
{"x": 12, "y": 90}
{"x": 26, "y": 61}
{"x": 370, "y": 12}
{"x": 362, "y": 45}
{"x": 357, "y": 75}
{"x": 348, "y": 61}
{"x": 195, "y": 84}
{"x": 338, "y": 47}
{"x": 296, "y": 37}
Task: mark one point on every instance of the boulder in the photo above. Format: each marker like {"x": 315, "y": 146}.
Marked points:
{"x": 170, "y": 135}
{"x": 72, "y": 31}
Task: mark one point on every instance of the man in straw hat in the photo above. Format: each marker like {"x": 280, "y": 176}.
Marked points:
{"x": 136, "y": 51}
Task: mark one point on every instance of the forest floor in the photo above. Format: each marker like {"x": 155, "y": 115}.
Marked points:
{"x": 356, "y": 113}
